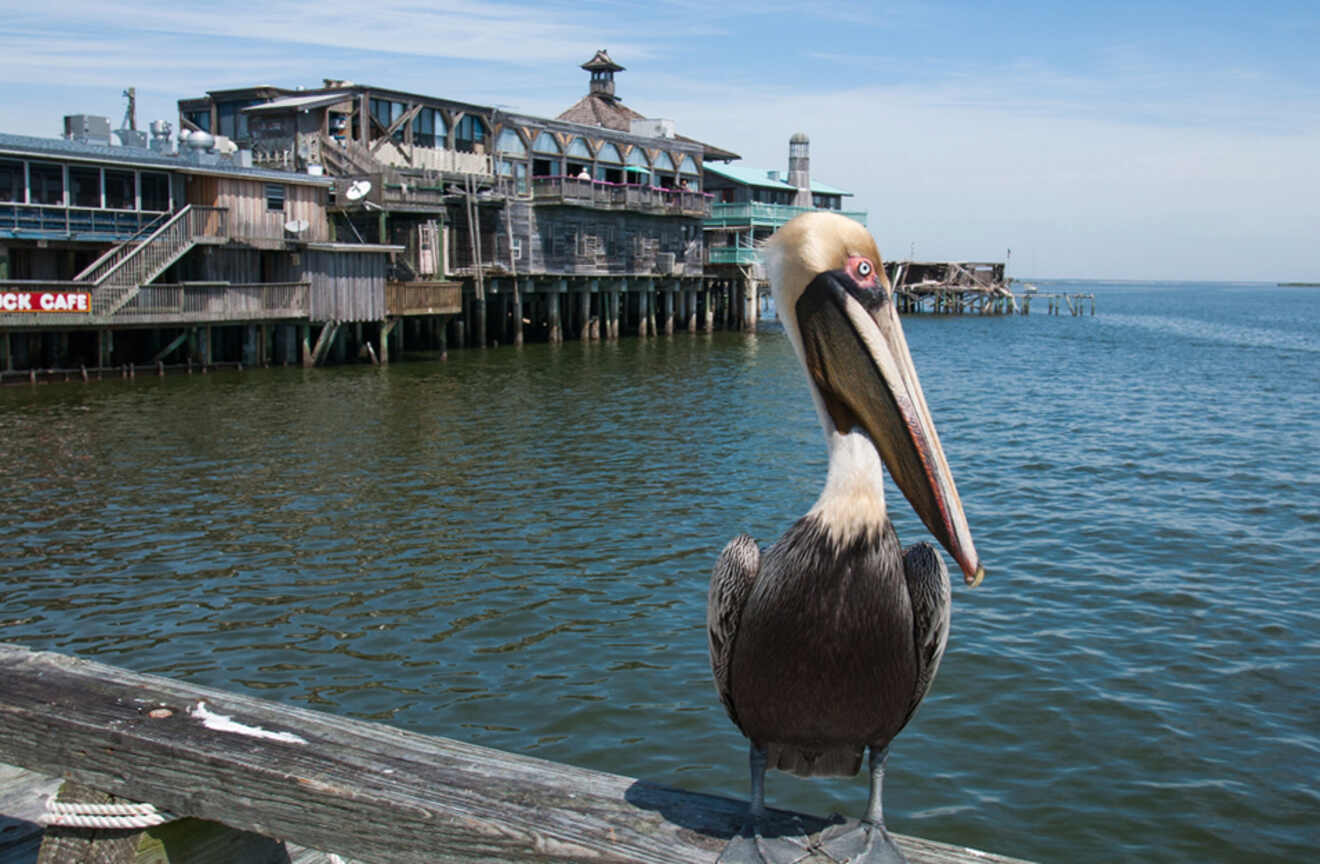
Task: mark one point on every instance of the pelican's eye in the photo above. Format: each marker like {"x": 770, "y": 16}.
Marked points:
{"x": 862, "y": 270}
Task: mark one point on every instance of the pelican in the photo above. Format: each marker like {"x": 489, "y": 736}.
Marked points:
{"x": 823, "y": 646}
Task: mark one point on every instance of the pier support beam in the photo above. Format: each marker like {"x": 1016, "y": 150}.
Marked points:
{"x": 611, "y": 313}
{"x": 710, "y": 310}
{"x": 584, "y": 315}
{"x": 553, "y": 316}
{"x": 518, "y": 309}
{"x": 669, "y": 313}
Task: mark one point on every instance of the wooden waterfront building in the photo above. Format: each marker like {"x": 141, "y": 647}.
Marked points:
{"x": 582, "y": 226}
{"x": 188, "y": 257}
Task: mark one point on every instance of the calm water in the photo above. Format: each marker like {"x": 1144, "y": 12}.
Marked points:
{"x": 513, "y": 548}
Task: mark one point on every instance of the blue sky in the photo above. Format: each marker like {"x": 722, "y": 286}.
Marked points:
{"x": 1108, "y": 140}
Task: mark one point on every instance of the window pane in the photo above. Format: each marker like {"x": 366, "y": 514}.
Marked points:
{"x": 275, "y": 196}
{"x": 637, "y": 156}
{"x": 225, "y": 118}
{"x": 546, "y": 143}
{"x": 200, "y": 119}
{"x": 155, "y": 191}
{"x": 120, "y": 190}
{"x": 11, "y": 180}
{"x": 47, "y": 183}
{"x": 578, "y": 148}
{"x": 609, "y": 153}
{"x": 510, "y": 142}
{"x": 688, "y": 166}
{"x": 663, "y": 162}
{"x": 85, "y": 187}
{"x": 470, "y": 132}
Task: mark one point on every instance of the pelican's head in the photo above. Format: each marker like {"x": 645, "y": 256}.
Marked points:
{"x": 832, "y": 294}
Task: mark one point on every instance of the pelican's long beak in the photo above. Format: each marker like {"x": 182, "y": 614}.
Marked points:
{"x": 856, "y": 354}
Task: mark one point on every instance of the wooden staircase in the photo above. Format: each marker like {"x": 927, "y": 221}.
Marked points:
{"x": 348, "y": 158}
{"x": 118, "y": 275}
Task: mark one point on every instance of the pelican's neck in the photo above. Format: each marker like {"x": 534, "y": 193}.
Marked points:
{"x": 853, "y": 501}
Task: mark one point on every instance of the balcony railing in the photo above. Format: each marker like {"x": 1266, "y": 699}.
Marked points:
{"x": 86, "y": 222}
{"x": 760, "y": 214}
{"x": 732, "y": 255}
{"x": 423, "y": 298}
{"x": 216, "y": 301}
{"x": 603, "y": 195}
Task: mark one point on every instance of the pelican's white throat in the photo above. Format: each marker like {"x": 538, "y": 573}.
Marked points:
{"x": 853, "y": 500}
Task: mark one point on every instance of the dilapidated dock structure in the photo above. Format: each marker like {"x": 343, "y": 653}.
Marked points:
{"x": 249, "y": 779}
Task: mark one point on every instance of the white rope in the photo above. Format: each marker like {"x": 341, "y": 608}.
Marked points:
{"x": 72, "y": 814}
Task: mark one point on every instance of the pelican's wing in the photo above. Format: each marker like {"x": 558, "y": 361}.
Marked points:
{"x": 730, "y": 583}
{"x": 928, "y": 588}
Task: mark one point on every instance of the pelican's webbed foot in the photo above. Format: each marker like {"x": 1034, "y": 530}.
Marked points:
{"x": 860, "y": 843}
{"x": 867, "y": 841}
{"x": 749, "y": 847}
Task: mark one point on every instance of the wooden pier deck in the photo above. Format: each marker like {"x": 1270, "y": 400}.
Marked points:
{"x": 363, "y": 791}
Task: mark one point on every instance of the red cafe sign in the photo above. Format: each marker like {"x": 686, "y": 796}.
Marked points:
{"x": 45, "y": 301}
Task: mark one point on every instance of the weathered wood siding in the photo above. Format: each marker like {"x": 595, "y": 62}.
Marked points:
{"x": 346, "y": 286}
{"x": 578, "y": 240}
{"x": 249, "y": 218}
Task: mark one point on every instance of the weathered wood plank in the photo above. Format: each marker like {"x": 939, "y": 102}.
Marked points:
{"x": 358, "y": 789}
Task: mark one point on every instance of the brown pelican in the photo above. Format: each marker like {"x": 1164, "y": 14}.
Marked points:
{"x": 823, "y": 646}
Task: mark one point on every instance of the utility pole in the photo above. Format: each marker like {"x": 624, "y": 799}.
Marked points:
{"x": 130, "y": 115}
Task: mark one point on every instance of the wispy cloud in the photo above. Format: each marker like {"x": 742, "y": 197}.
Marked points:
{"x": 1187, "y": 142}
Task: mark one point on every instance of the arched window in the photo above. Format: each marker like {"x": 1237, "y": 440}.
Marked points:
{"x": 546, "y": 143}
{"x": 663, "y": 162}
{"x": 639, "y": 169}
{"x": 469, "y": 133}
{"x": 578, "y": 147}
{"x": 688, "y": 166}
{"x": 609, "y": 153}
{"x": 510, "y": 142}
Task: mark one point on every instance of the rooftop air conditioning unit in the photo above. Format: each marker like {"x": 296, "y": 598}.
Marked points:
{"x": 87, "y": 128}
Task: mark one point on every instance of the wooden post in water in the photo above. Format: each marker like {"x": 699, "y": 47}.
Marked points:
{"x": 642, "y": 296}
{"x": 669, "y": 310}
{"x": 554, "y": 312}
{"x": 584, "y": 315}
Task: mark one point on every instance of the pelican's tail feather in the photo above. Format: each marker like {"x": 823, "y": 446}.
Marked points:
{"x": 808, "y": 762}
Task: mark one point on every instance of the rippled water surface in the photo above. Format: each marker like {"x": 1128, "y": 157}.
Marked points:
{"x": 512, "y": 548}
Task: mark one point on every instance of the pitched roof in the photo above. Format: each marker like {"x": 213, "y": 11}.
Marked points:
{"x": 597, "y": 109}
{"x": 759, "y": 177}
{"x": 749, "y": 176}
{"x": 601, "y": 60}
{"x": 315, "y": 100}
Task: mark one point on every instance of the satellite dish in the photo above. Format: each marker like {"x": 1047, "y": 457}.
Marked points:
{"x": 358, "y": 190}
{"x": 296, "y": 226}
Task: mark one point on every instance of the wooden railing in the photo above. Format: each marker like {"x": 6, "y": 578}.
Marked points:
{"x": 351, "y": 787}
{"x": 620, "y": 196}
{"x": 423, "y": 298}
{"x": 216, "y": 301}
{"x": 58, "y": 219}
{"x": 118, "y": 278}
{"x": 724, "y": 215}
